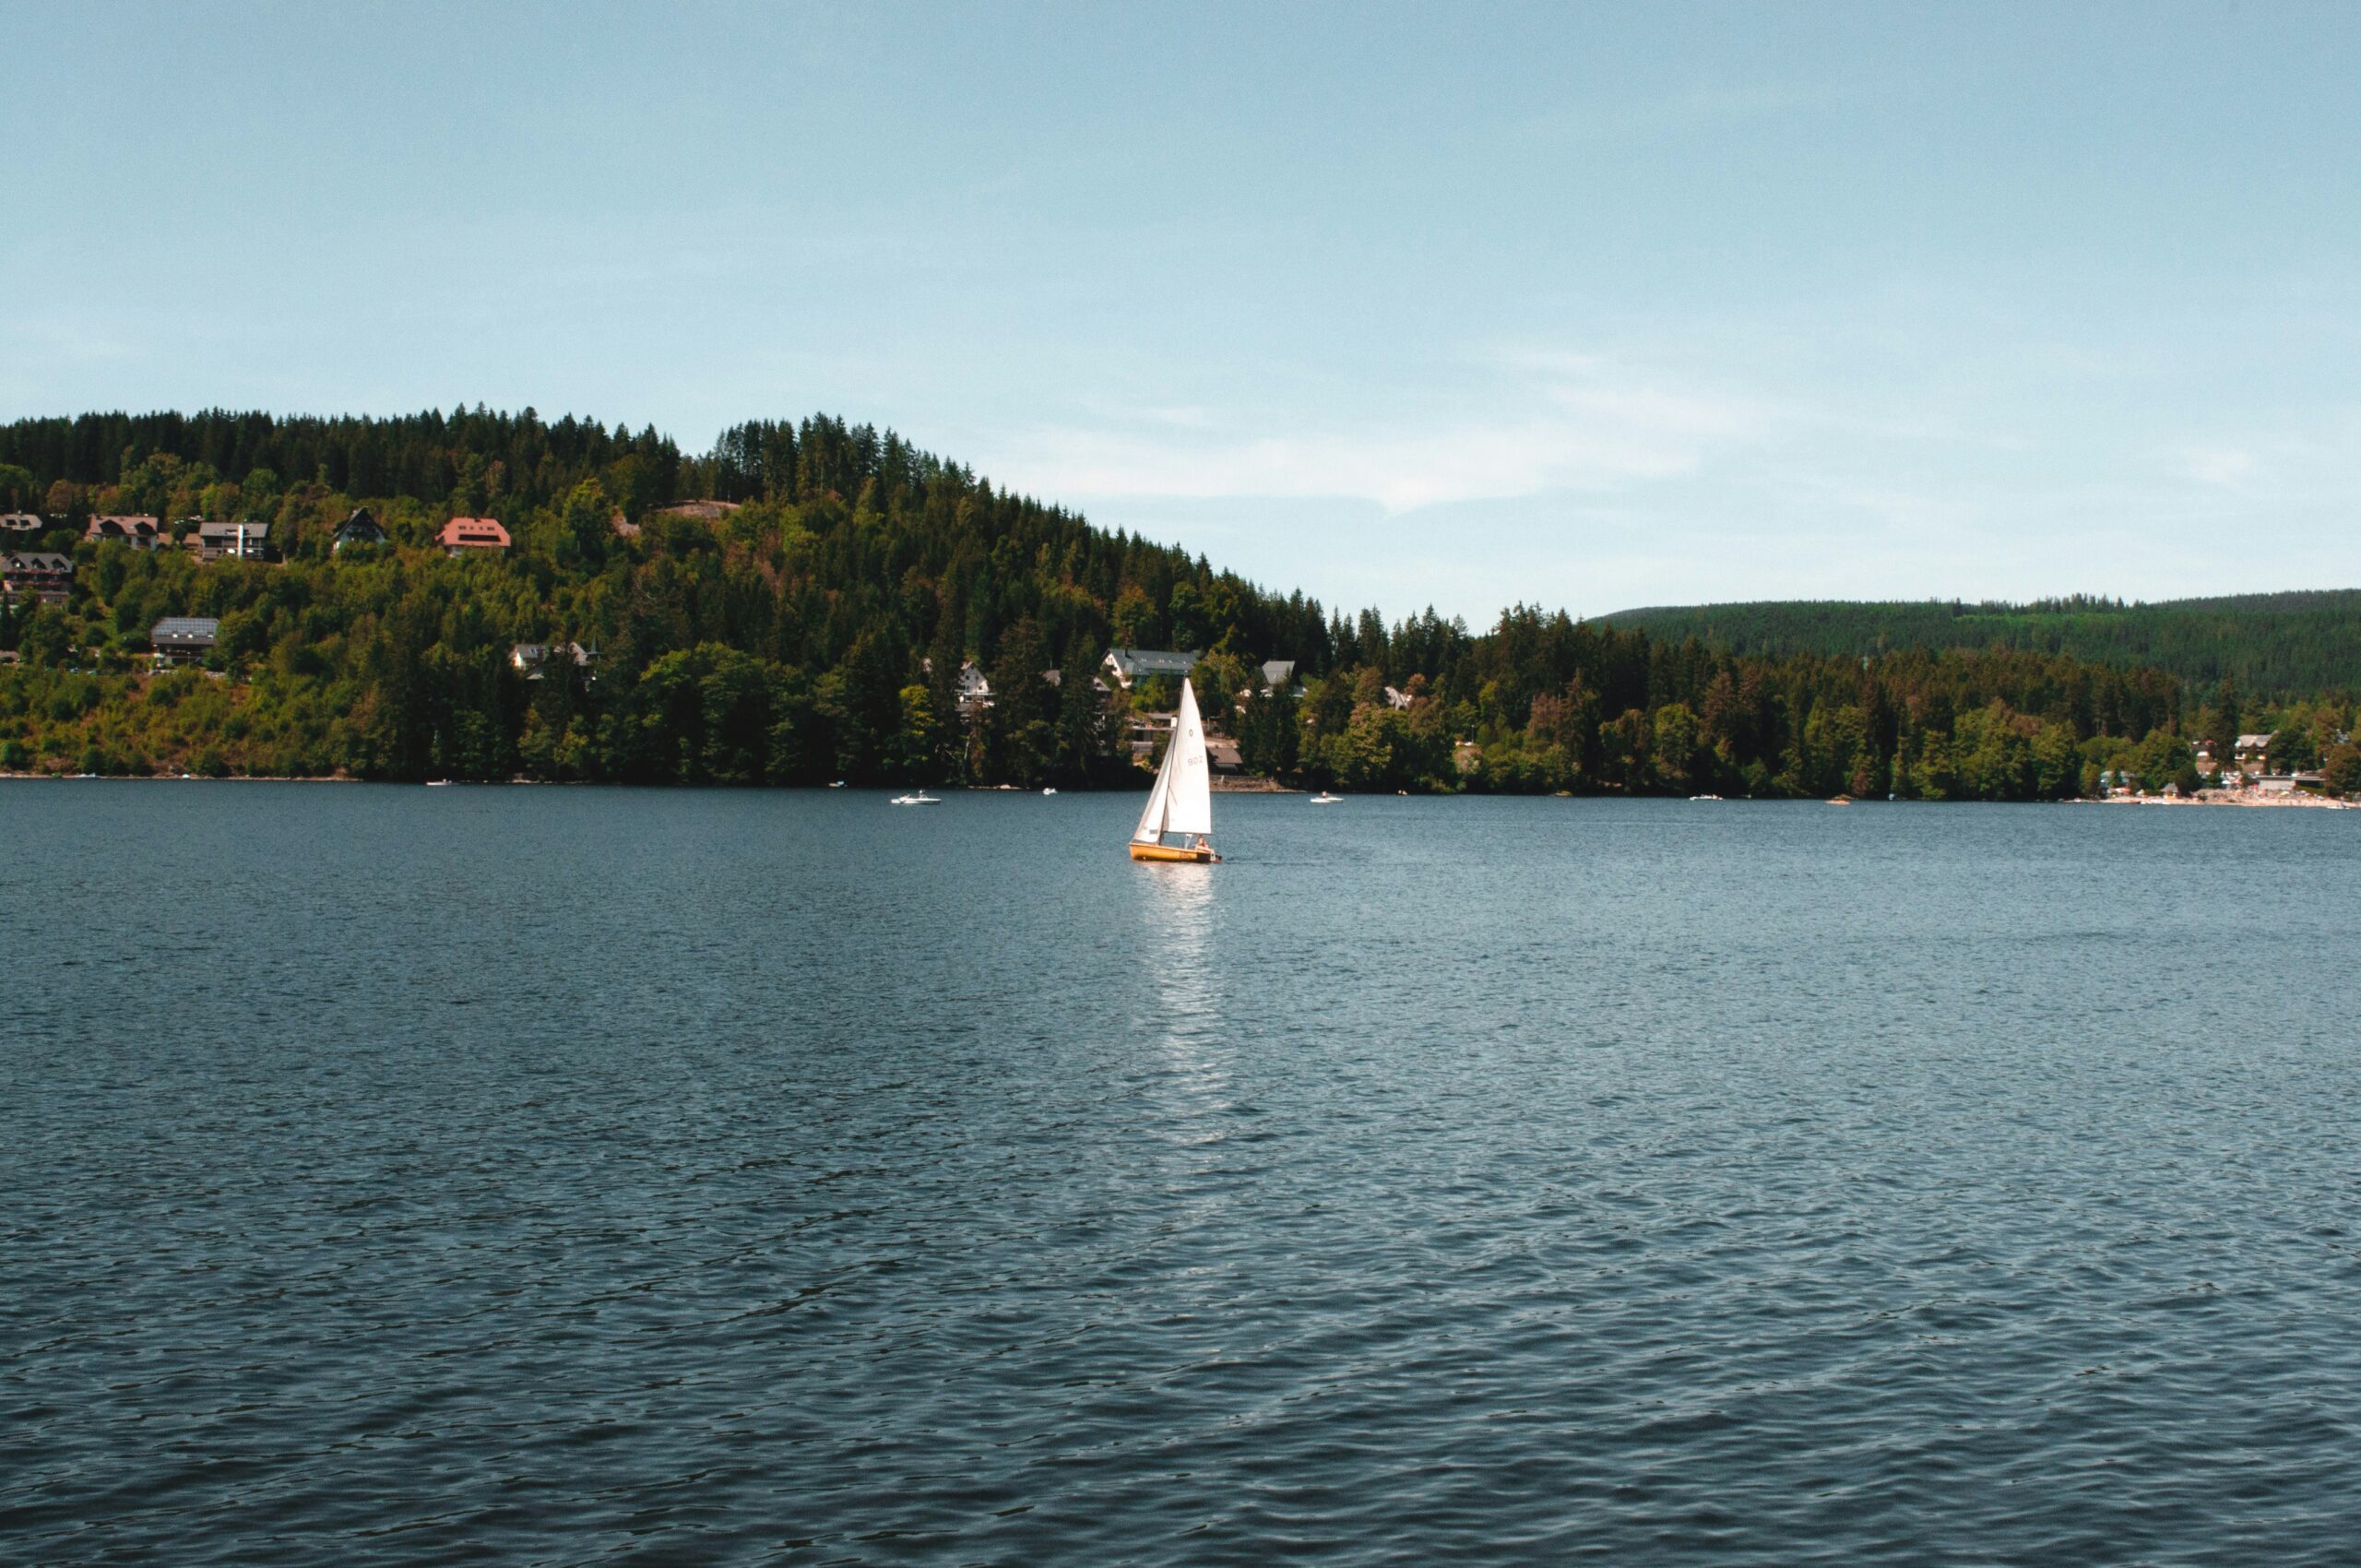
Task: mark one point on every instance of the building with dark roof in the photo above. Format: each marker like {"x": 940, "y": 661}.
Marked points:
{"x": 183, "y": 639}
{"x": 37, "y": 573}
{"x": 237, "y": 541}
{"x": 1130, "y": 663}
{"x": 362, "y": 528}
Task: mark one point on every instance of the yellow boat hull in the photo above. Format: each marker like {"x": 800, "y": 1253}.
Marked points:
{"x": 1163, "y": 852}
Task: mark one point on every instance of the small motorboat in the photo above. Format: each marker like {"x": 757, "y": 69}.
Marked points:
{"x": 1704, "y": 797}
{"x": 440, "y": 783}
{"x": 1049, "y": 790}
{"x": 920, "y": 799}
{"x": 838, "y": 785}
{"x": 1325, "y": 799}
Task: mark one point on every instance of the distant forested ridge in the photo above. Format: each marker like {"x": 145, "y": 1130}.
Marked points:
{"x": 812, "y": 600}
{"x": 2287, "y": 644}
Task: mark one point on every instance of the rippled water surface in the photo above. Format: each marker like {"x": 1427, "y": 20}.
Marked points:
{"x": 548, "y": 1176}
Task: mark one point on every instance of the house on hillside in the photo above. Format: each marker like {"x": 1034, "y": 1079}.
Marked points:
{"x": 22, "y": 525}
{"x": 1130, "y": 663}
{"x": 1146, "y": 730}
{"x": 229, "y": 542}
{"x": 37, "y": 573}
{"x": 183, "y": 639}
{"x": 971, "y": 691}
{"x": 2255, "y": 748}
{"x": 362, "y": 528}
{"x": 463, "y": 534}
{"x": 140, "y": 532}
{"x": 1398, "y": 700}
{"x": 529, "y": 659}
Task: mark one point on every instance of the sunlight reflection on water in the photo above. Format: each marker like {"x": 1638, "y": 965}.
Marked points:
{"x": 554, "y": 1175}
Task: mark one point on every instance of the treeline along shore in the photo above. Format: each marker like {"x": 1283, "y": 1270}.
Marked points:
{"x": 2286, "y": 643}
{"x": 483, "y": 595}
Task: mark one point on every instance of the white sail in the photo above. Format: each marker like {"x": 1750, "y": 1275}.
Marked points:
{"x": 1151, "y": 828}
{"x": 1182, "y": 800}
{"x": 1190, "y": 805}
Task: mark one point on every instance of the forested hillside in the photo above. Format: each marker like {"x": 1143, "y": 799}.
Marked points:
{"x": 809, "y": 621}
{"x": 2284, "y": 645}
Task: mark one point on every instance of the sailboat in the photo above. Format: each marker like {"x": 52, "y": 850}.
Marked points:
{"x": 1182, "y": 804}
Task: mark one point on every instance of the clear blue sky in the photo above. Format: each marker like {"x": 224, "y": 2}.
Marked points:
{"x": 1585, "y": 306}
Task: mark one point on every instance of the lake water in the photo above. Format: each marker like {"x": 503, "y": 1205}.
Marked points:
{"x": 539, "y": 1176}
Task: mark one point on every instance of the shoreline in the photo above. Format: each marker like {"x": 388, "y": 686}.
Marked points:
{"x": 2246, "y": 797}
{"x": 1222, "y": 785}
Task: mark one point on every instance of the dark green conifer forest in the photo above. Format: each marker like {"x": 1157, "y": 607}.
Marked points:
{"x": 795, "y": 605}
{"x": 2284, "y": 645}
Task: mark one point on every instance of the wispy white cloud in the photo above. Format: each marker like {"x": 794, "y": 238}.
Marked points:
{"x": 2217, "y": 464}
{"x": 1557, "y": 421}
{"x": 2307, "y": 455}
{"x": 70, "y": 335}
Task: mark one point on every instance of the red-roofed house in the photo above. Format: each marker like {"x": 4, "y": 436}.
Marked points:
{"x": 472, "y": 533}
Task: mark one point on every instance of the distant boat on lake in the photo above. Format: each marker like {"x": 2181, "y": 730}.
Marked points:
{"x": 1182, "y": 804}
{"x": 921, "y": 799}
{"x": 1325, "y": 799}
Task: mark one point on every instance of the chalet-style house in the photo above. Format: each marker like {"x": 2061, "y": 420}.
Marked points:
{"x": 183, "y": 639}
{"x": 139, "y": 532}
{"x": 1130, "y": 663}
{"x": 1399, "y": 701}
{"x": 1277, "y": 673}
{"x": 229, "y": 542}
{"x": 461, "y": 535}
{"x": 359, "y": 528}
{"x": 528, "y": 659}
{"x": 2255, "y": 748}
{"x": 22, "y": 525}
{"x": 972, "y": 692}
{"x": 37, "y": 573}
